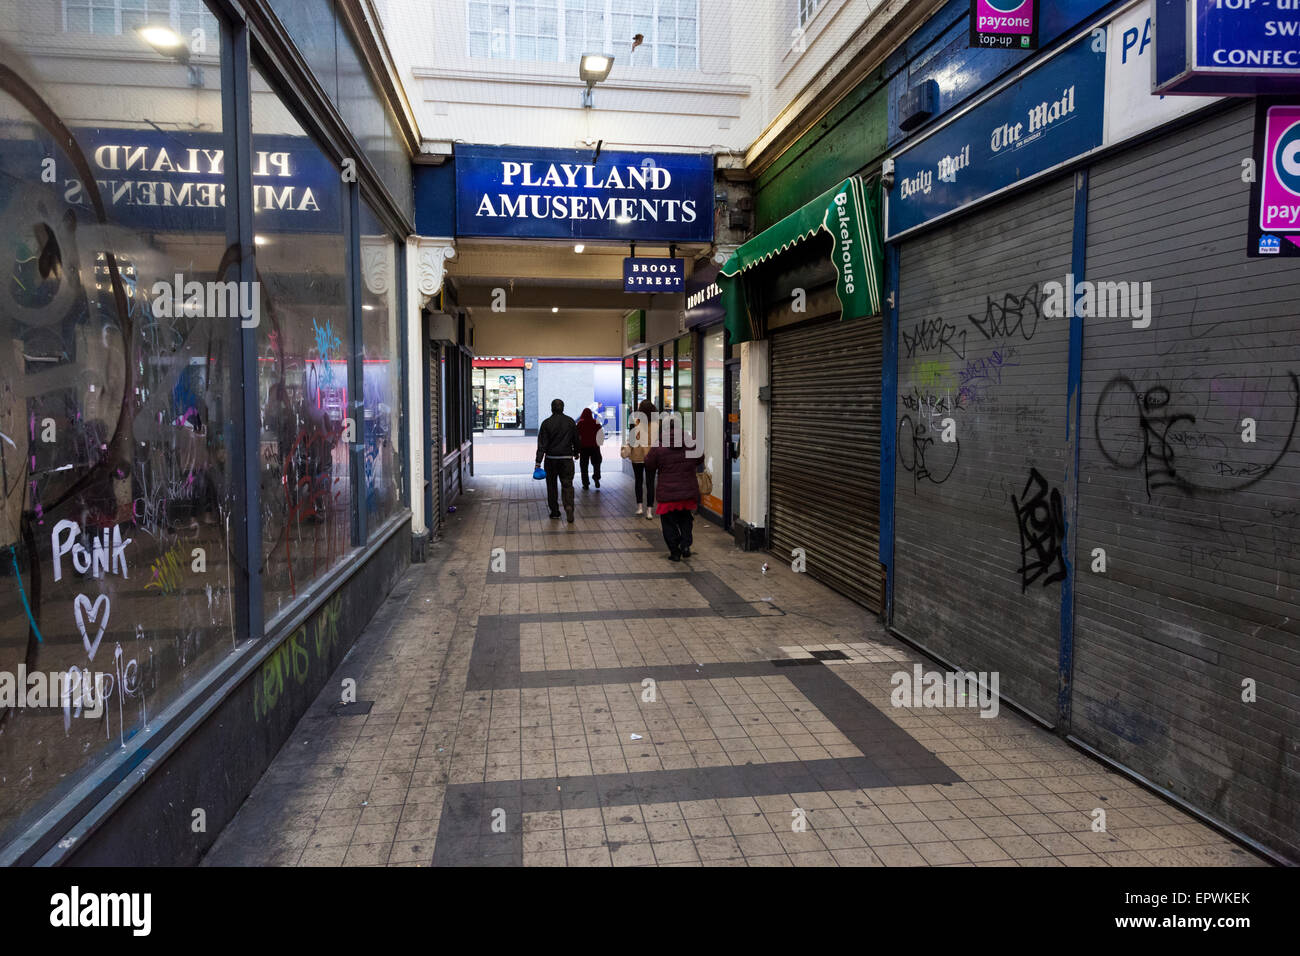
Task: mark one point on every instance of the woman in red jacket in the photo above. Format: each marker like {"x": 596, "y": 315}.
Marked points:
{"x": 677, "y": 488}
{"x": 589, "y": 431}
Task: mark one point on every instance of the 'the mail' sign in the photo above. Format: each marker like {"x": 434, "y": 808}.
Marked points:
{"x": 642, "y": 274}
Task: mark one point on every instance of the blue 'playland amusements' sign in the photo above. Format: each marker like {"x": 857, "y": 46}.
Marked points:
{"x": 1227, "y": 47}
{"x": 176, "y": 180}
{"x": 1048, "y": 117}
{"x": 509, "y": 192}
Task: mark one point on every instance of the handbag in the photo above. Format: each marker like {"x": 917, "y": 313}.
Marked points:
{"x": 706, "y": 482}
{"x": 539, "y": 473}
{"x": 625, "y": 451}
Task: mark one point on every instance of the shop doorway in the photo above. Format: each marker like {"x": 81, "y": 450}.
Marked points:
{"x": 733, "y": 443}
{"x": 479, "y": 416}
{"x": 499, "y": 391}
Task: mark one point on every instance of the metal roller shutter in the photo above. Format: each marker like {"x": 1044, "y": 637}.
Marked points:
{"x": 825, "y": 453}
{"x": 434, "y": 466}
{"x": 974, "y": 347}
{"x": 1201, "y": 530}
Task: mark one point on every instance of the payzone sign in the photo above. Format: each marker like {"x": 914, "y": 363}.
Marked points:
{"x": 1275, "y": 198}
{"x": 1004, "y": 24}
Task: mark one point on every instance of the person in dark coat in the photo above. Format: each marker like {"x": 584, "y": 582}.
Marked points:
{"x": 557, "y": 446}
{"x": 676, "y": 488}
{"x": 589, "y": 433}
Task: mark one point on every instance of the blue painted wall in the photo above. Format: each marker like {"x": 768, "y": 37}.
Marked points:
{"x": 435, "y": 200}
{"x": 941, "y": 51}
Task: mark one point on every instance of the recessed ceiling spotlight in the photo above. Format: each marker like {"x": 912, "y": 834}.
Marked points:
{"x": 579, "y": 247}
{"x": 555, "y": 308}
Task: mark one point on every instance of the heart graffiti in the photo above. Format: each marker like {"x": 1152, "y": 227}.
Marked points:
{"x": 84, "y": 609}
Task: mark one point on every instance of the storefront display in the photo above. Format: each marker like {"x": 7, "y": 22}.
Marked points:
{"x": 712, "y": 424}
{"x": 498, "y": 396}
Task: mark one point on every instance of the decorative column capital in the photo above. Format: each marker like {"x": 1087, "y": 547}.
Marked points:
{"x": 431, "y": 266}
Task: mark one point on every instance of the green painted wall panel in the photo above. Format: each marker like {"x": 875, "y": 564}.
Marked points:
{"x": 846, "y": 139}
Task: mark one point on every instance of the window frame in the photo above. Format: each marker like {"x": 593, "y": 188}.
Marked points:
{"x": 175, "y": 13}
{"x": 807, "y": 11}
{"x": 650, "y": 45}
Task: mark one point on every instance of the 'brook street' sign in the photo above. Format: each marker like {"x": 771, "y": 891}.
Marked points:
{"x": 653, "y": 275}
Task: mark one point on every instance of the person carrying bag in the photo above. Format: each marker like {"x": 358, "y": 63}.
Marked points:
{"x": 643, "y": 434}
{"x": 679, "y": 490}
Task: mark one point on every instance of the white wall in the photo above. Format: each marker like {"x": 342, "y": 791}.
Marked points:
{"x": 751, "y": 64}
{"x": 570, "y": 381}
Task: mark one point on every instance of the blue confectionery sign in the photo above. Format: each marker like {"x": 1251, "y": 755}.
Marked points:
{"x": 512, "y": 192}
{"x": 1226, "y": 47}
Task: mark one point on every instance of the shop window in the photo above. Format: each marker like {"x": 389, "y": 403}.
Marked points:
{"x": 629, "y": 387}
{"x": 503, "y": 397}
{"x": 684, "y": 389}
{"x": 381, "y": 369}
{"x": 712, "y": 426}
{"x": 668, "y": 374}
{"x": 642, "y": 377}
{"x": 304, "y": 344}
{"x": 655, "y": 393}
{"x": 118, "y": 401}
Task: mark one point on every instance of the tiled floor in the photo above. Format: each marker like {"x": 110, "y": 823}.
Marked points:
{"x": 589, "y": 703}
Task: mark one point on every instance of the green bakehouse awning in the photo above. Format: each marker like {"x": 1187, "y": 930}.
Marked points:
{"x": 850, "y": 214}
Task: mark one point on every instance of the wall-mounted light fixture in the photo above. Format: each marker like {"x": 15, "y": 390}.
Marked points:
{"x": 592, "y": 69}
{"x": 167, "y": 42}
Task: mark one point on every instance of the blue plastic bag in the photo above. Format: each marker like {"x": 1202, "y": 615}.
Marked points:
{"x": 539, "y": 473}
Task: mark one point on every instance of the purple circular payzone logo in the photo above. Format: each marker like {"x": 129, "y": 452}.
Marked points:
{"x": 1286, "y": 159}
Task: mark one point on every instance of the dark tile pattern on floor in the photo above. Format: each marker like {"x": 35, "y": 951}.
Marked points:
{"x": 594, "y": 705}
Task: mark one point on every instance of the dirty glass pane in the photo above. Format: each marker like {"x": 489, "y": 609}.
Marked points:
{"x": 381, "y": 369}
{"x": 116, "y": 391}
{"x": 304, "y": 343}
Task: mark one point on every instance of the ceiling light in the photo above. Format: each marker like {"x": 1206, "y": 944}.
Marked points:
{"x": 555, "y": 308}
{"x": 579, "y": 247}
{"x": 260, "y": 240}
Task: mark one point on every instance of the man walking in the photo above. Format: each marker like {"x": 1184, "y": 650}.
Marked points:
{"x": 557, "y": 448}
